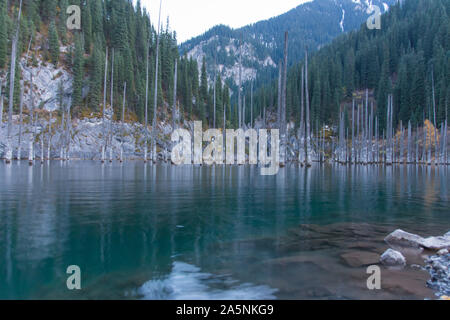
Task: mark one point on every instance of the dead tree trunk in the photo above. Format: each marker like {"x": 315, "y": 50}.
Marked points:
{"x": 104, "y": 108}
{"x": 280, "y": 89}
{"x": 308, "y": 127}
{"x": 434, "y": 120}
{"x": 49, "y": 136}
{"x": 214, "y": 95}
{"x": 1, "y": 105}
{"x": 240, "y": 85}
{"x": 32, "y": 135}
{"x": 112, "y": 109}
{"x": 155, "y": 100}
{"x": 302, "y": 119}
{"x": 19, "y": 149}
{"x": 146, "y": 104}
{"x": 8, "y": 154}
{"x": 283, "y": 131}
{"x": 123, "y": 120}
{"x": 251, "y": 104}
{"x": 174, "y": 108}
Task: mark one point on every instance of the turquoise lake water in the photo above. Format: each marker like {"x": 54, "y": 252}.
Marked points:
{"x": 164, "y": 232}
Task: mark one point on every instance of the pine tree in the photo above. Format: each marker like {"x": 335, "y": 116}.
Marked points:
{"x": 62, "y": 29}
{"x": 78, "y": 71}
{"x": 95, "y": 76}
{"x": 53, "y": 43}
{"x": 3, "y": 34}
{"x": 204, "y": 82}
{"x": 87, "y": 26}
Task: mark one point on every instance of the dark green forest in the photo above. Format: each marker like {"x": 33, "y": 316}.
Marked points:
{"x": 405, "y": 58}
{"x": 121, "y": 27}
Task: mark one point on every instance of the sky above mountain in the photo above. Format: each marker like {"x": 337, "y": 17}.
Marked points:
{"x": 194, "y": 17}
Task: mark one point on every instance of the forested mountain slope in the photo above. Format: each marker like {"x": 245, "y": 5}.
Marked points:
{"x": 310, "y": 25}
{"x": 71, "y": 63}
{"x": 405, "y": 57}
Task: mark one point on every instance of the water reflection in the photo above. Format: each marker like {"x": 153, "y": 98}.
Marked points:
{"x": 126, "y": 224}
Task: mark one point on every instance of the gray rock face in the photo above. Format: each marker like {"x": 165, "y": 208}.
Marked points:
{"x": 392, "y": 258}
{"x": 405, "y": 239}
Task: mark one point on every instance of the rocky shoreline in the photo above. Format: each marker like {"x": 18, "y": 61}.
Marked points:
{"x": 435, "y": 250}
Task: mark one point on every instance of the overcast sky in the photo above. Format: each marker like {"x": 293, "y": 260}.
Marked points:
{"x": 190, "y": 18}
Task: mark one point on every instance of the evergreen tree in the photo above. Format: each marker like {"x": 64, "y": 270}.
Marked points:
{"x": 78, "y": 72}
{"x": 53, "y": 43}
{"x": 96, "y": 77}
{"x": 62, "y": 29}
{"x": 204, "y": 82}
{"x": 3, "y": 34}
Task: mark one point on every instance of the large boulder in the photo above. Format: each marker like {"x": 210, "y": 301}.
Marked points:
{"x": 404, "y": 239}
{"x": 400, "y": 238}
{"x": 436, "y": 243}
{"x": 392, "y": 258}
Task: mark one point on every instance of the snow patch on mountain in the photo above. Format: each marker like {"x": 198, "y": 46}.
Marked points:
{"x": 341, "y": 24}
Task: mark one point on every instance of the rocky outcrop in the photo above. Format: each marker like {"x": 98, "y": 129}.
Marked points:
{"x": 392, "y": 258}
{"x": 404, "y": 239}
{"x": 87, "y": 136}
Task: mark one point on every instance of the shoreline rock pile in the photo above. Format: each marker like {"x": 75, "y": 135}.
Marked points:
{"x": 437, "y": 263}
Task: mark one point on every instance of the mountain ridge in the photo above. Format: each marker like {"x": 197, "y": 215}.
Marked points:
{"x": 310, "y": 25}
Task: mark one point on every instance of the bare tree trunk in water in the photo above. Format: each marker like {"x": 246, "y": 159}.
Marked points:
{"x": 123, "y": 120}
{"x": 174, "y": 108}
{"x": 307, "y": 140}
{"x": 68, "y": 130}
{"x": 146, "y": 104}
{"x": 240, "y": 85}
{"x": 61, "y": 155}
{"x": 214, "y": 94}
{"x": 110, "y": 138}
{"x": 283, "y": 103}
{"x": 19, "y": 149}
{"x": 280, "y": 89}
{"x": 103, "y": 156}
{"x": 1, "y": 105}
{"x": 302, "y": 119}
{"x": 49, "y": 136}
{"x": 32, "y": 135}
{"x": 15, "y": 39}
{"x": 251, "y": 104}
{"x": 155, "y": 101}
{"x": 434, "y": 121}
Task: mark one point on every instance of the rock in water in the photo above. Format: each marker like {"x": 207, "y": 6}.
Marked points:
{"x": 392, "y": 258}
{"x": 436, "y": 243}
{"x": 404, "y": 239}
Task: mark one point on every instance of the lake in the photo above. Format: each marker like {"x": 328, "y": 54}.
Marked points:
{"x": 165, "y": 232}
